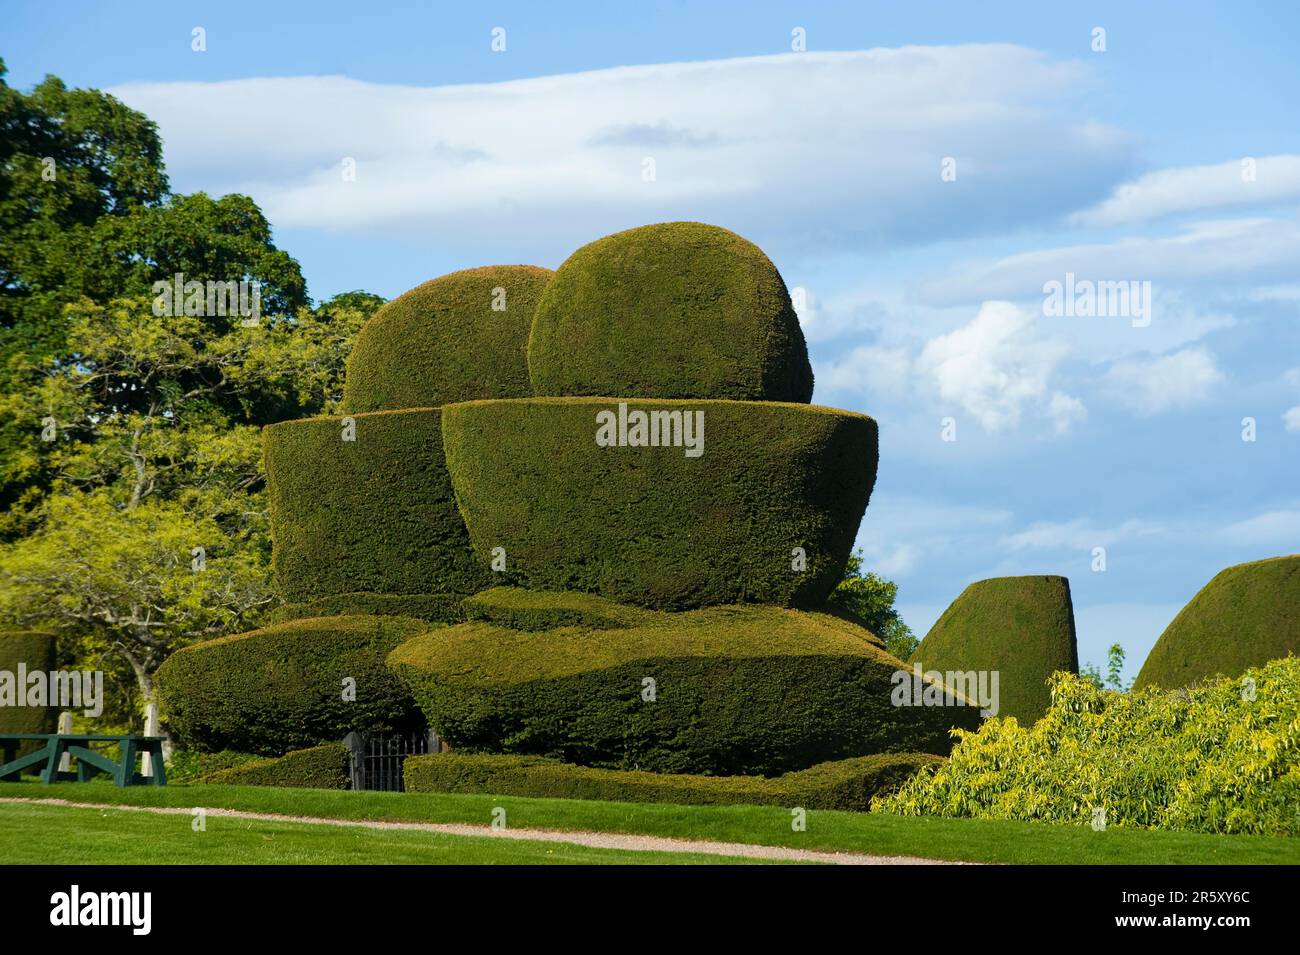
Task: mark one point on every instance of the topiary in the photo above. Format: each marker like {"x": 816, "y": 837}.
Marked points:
{"x": 1022, "y": 628}
{"x": 374, "y": 514}
{"x": 321, "y": 767}
{"x": 283, "y": 687}
{"x": 35, "y": 651}
{"x": 455, "y": 338}
{"x": 1247, "y": 615}
{"x": 674, "y": 310}
{"x": 766, "y": 513}
{"x": 728, "y": 690}
{"x": 520, "y": 609}
{"x": 846, "y": 784}
{"x": 437, "y": 608}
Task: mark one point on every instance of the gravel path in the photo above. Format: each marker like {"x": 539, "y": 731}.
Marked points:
{"x": 597, "y": 840}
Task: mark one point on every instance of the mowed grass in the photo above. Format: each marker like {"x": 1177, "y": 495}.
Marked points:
{"x": 62, "y": 835}
{"x": 970, "y": 840}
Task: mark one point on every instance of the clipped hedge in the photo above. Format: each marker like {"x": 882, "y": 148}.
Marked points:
{"x": 374, "y": 515}
{"x": 847, "y": 784}
{"x": 320, "y": 767}
{"x": 35, "y": 650}
{"x": 437, "y": 608}
{"x": 737, "y": 691}
{"x": 1247, "y": 615}
{"x": 520, "y": 609}
{"x": 651, "y": 526}
{"x": 1222, "y": 757}
{"x": 280, "y": 688}
{"x": 674, "y": 310}
{"x": 443, "y": 341}
{"x": 1020, "y": 627}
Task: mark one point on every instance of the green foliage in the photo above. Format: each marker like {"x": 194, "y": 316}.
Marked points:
{"x": 439, "y": 608}
{"x": 847, "y": 784}
{"x": 127, "y": 438}
{"x": 320, "y": 767}
{"x": 1021, "y": 627}
{"x": 674, "y": 310}
{"x": 870, "y": 599}
{"x": 444, "y": 341}
{"x": 375, "y": 514}
{"x": 189, "y": 766}
{"x": 650, "y": 526}
{"x": 36, "y": 651}
{"x": 1223, "y": 757}
{"x": 519, "y": 609}
{"x": 1247, "y": 615}
{"x": 121, "y": 580}
{"x": 282, "y": 688}
{"x": 736, "y": 690}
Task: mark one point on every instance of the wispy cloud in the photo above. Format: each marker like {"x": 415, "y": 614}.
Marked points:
{"x": 827, "y": 148}
{"x": 1236, "y": 184}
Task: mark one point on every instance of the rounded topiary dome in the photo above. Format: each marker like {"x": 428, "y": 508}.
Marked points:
{"x": 456, "y": 338}
{"x": 1246, "y": 616}
{"x": 674, "y": 310}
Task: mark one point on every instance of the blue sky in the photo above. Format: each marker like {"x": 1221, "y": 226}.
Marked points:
{"x": 1172, "y": 157}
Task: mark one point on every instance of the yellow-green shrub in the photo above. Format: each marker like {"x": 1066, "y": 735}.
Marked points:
{"x": 1222, "y": 757}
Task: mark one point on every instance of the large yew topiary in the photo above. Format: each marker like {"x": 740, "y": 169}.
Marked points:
{"x": 282, "y": 688}
{"x": 1020, "y": 627}
{"x": 1246, "y": 616}
{"x": 674, "y": 310}
{"x": 458, "y": 337}
{"x": 653, "y": 526}
{"x": 728, "y": 690}
{"x": 373, "y": 515}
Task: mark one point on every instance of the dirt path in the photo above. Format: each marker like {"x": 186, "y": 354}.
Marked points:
{"x": 597, "y": 840}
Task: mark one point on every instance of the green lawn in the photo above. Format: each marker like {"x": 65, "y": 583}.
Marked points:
{"x": 959, "y": 839}
{"x": 60, "y": 835}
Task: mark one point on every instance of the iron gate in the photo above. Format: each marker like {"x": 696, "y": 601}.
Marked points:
{"x": 377, "y": 758}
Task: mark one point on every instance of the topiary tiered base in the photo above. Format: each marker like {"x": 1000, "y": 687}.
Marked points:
{"x": 727, "y": 690}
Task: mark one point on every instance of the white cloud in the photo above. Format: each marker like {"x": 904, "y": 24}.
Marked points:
{"x": 1152, "y": 385}
{"x": 996, "y": 367}
{"x": 1274, "y": 527}
{"x": 1078, "y": 534}
{"x": 1253, "y": 251}
{"x": 868, "y": 369}
{"x": 1291, "y": 418}
{"x": 830, "y": 148}
{"x": 1197, "y": 188}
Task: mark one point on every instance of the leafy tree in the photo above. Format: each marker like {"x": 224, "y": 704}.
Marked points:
{"x": 85, "y": 216}
{"x": 871, "y": 599}
{"x": 130, "y": 455}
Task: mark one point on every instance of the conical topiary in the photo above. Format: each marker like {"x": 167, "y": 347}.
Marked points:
{"x": 1022, "y": 628}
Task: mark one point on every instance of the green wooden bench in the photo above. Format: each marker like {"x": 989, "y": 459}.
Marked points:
{"x": 89, "y": 762}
